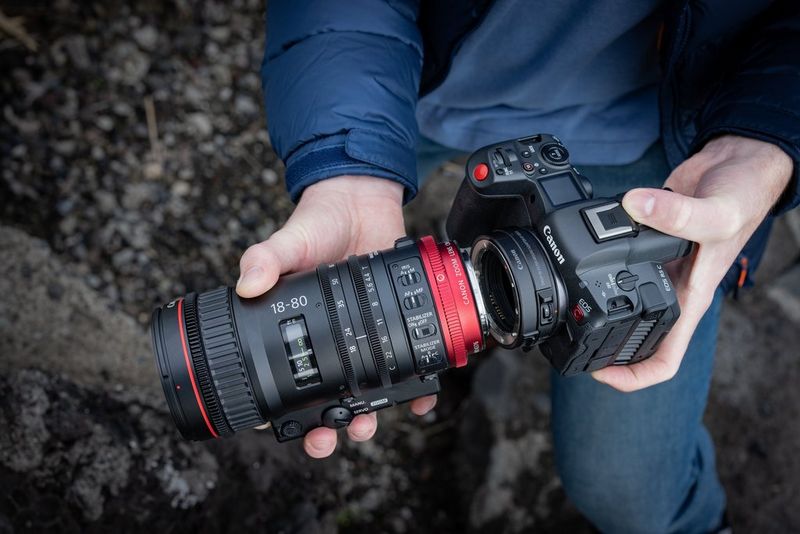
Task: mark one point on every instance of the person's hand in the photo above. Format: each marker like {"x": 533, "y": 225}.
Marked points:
{"x": 721, "y": 195}
{"x": 334, "y": 219}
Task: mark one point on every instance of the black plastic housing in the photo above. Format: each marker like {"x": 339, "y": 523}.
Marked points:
{"x": 617, "y": 302}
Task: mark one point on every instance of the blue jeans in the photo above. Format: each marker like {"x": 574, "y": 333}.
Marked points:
{"x": 634, "y": 462}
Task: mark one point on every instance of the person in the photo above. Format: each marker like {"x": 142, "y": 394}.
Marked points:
{"x": 365, "y": 97}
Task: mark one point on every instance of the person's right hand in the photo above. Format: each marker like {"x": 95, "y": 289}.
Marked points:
{"x": 335, "y": 218}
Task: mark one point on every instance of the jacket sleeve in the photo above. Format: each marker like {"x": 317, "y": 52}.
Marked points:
{"x": 340, "y": 81}
{"x": 762, "y": 98}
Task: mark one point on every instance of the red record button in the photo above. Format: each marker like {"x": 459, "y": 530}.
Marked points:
{"x": 480, "y": 172}
{"x": 577, "y": 313}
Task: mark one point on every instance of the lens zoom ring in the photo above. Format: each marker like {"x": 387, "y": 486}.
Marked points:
{"x": 369, "y": 320}
{"x": 225, "y": 360}
{"x": 201, "y": 371}
{"x": 336, "y": 326}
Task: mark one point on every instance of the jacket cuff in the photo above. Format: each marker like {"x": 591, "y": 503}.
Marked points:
{"x": 357, "y": 152}
{"x": 762, "y": 123}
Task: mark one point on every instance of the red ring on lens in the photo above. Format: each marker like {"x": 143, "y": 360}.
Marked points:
{"x": 453, "y": 298}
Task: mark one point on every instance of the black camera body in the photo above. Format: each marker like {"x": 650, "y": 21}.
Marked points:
{"x": 609, "y": 300}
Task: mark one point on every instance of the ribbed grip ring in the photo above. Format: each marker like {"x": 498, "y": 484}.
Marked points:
{"x": 201, "y": 370}
{"x": 446, "y": 304}
{"x": 369, "y": 321}
{"x": 336, "y": 327}
{"x": 225, "y": 362}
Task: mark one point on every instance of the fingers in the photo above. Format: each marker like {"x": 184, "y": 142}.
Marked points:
{"x": 263, "y": 263}
{"x": 664, "y": 364}
{"x": 660, "y": 367}
{"x": 423, "y": 405}
{"x": 363, "y": 427}
{"x": 695, "y": 219}
{"x": 320, "y": 442}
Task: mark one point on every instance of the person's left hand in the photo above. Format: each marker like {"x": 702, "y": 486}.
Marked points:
{"x": 720, "y": 196}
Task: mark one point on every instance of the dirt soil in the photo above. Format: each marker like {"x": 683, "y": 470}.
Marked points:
{"x": 134, "y": 166}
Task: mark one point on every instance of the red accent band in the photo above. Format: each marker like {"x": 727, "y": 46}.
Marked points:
{"x": 181, "y": 328}
{"x": 453, "y": 298}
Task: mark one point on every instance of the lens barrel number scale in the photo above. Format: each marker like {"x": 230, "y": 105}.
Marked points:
{"x": 549, "y": 266}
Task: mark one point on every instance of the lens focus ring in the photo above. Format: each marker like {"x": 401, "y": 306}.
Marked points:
{"x": 225, "y": 361}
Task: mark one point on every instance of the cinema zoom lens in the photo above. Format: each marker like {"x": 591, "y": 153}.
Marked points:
{"x": 321, "y": 346}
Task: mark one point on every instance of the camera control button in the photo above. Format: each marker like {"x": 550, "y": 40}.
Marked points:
{"x": 577, "y": 313}
{"x": 291, "y": 429}
{"x": 409, "y": 278}
{"x": 480, "y": 172}
{"x": 555, "y": 154}
{"x": 527, "y": 166}
{"x": 415, "y": 301}
{"x": 337, "y": 417}
{"x": 424, "y": 331}
{"x": 626, "y": 281}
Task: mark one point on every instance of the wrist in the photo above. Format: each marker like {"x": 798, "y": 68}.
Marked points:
{"x": 773, "y": 166}
{"x": 356, "y": 189}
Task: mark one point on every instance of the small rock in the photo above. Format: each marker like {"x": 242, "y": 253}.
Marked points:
{"x": 122, "y": 109}
{"x": 78, "y": 52}
{"x": 127, "y": 63}
{"x": 200, "y": 124}
{"x": 106, "y": 202}
{"x": 269, "y": 176}
{"x": 245, "y": 106}
{"x": 105, "y": 123}
{"x": 146, "y": 37}
{"x": 55, "y": 290}
{"x": 153, "y": 170}
{"x": 123, "y": 257}
{"x": 181, "y": 188}
{"x": 66, "y": 147}
{"x": 19, "y": 151}
{"x": 220, "y": 33}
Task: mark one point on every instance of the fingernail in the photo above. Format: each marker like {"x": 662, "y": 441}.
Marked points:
{"x": 640, "y": 204}
{"x": 250, "y": 274}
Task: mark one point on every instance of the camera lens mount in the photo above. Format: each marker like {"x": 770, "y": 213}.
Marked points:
{"x": 524, "y": 297}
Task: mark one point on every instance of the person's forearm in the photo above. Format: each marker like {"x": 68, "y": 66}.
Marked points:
{"x": 340, "y": 86}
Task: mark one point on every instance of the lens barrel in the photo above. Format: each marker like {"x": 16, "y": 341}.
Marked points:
{"x": 303, "y": 354}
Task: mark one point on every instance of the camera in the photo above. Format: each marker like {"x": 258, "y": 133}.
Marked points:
{"x": 548, "y": 266}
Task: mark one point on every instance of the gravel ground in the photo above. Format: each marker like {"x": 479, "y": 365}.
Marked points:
{"x": 134, "y": 166}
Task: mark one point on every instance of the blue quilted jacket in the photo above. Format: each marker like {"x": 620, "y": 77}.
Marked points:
{"x": 342, "y": 77}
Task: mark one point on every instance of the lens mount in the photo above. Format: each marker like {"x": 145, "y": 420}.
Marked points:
{"x": 499, "y": 290}
{"x": 523, "y": 293}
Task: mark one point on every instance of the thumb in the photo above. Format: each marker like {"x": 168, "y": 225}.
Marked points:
{"x": 263, "y": 263}
{"x": 695, "y": 219}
